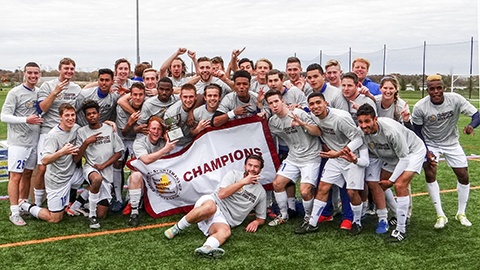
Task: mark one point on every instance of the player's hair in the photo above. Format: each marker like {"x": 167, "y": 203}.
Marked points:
{"x": 30, "y": 64}
{"x": 273, "y": 93}
{"x": 366, "y": 109}
{"x": 159, "y": 120}
{"x": 257, "y": 157}
{"x": 394, "y": 81}
{"x": 217, "y": 60}
{"x": 139, "y": 68}
{"x": 204, "y": 59}
{"x": 165, "y": 80}
{"x": 363, "y": 60}
{"x": 138, "y": 85}
{"x": 149, "y": 70}
{"x": 105, "y": 71}
{"x": 242, "y": 74}
{"x": 187, "y": 86}
{"x": 213, "y": 86}
{"x": 184, "y": 67}
{"x": 66, "y": 61}
{"x": 333, "y": 63}
{"x": 276, "y": 72}
{"x": 316, "y": 94}
{"x": 88, "y": 104}
{"x": 270, "y": 65}
{"x": 293, "y": 59}
{"x": 315, "y": 66}
{"x": 350, "y": 75}
{"x": 243, "y": 60}
{"x": 64, "y": 107}
{"x": 121, "y": 60}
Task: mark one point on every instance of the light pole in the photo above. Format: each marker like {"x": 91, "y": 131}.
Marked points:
{"x": 138, "y": 39}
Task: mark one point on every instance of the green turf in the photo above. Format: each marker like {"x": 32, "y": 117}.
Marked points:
{"x": 270, "y": 248}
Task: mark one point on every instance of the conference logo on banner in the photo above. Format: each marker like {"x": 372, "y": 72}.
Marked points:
{"x": 175, "y": 182}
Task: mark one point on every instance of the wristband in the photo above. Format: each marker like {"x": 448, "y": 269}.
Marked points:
{"x": 231, "y": 114}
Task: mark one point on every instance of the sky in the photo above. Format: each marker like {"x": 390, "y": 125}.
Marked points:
{"x": 96, "y": 33}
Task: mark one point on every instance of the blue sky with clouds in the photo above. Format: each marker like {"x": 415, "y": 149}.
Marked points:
{"x": 96, "y": 33}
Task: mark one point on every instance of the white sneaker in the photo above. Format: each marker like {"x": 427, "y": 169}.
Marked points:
{"x": 277, "y": 221}
{"x": 463, "y": 220}
{"x": 441, "y": 221}
{"x": 17, "y": 220}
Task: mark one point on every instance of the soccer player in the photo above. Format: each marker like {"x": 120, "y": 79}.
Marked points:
{"x": 23, "y": 128}
{"x": 360, "y": 67}
{"x": 147, "y": 149}
{"x": 294, "y": 72}
{"x": 158, "y": 105}
{"x": 299, "y": 133}
{"x": 62, "y": 173}
{"x": 333, "y": 73}
{"x": 316, "y": 79}
{"x": 238, "y": 194}
{"x": 351, "y": 91}
{"x": 174, "y": 67}
{"x": 435, "y": 119}
{"x": 293, "y": 97}
{"x": 206, "y": 76}
{"x": 101, "y": 146}
{"x": 150, "y": 79}
{"x": 259, "y": 82}
{"x": 339, "y": 133}
{"x": 401, "y": 152}
{"x": 204, "y": 113}
{"x": 50, "y": 96}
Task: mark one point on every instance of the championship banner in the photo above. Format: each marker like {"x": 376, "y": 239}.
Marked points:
{"x": 175, "y": 182}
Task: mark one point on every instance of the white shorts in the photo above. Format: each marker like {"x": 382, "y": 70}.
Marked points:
{"x": 374, "y": 169}
{"x": 454, "y": 155}
{"x": 40, "y": 147}
{"x": 338, "y": 172}
{"x": 21, "y": 157}
{"x": 58, "y": 199}
{"x": 218, "y": 217}
{"x": 128, "y": 147}
{"x": 77, "y": 178}
{"x": 308, "y": 171}
{"x": 415, "y": 160}
{"x": 106, "y": 187}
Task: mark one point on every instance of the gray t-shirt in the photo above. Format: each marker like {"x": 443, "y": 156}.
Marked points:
{"x": 360, "y": 100}
{"x": 440, "y": 121}
{"x": 303, "y": 147}
{"x": 107, "y": 103}
{"x": 121, "y": 121}
{"x": 179, "y": 82}
{"x": 238, "y": 206}
{"x": 201, "y": 113}
{"x": 21, "y": 102}
{"x": 231, "y": 101}
{"x": 177, "y": 112}
{"x": 143, "y": 146}
{"x": 108, "y": 143}
{"x": 255, "y": 86}
{"x": 295, "y": 96}
{"x": 392, "y": 141}
{"x": 200, "y": 86}
{"x": 153, "y": 106}
{"x": 333, "y": 96}
{"x": 69, "y": 95}
{"x": 390, "y": 112}
{"x": 61, "y": 170}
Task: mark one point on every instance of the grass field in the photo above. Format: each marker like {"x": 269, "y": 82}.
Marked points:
{"x": 72, "y": 245}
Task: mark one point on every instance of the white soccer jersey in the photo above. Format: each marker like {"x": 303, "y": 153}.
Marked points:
{"x": 121, "y": 121}
{"x": 143, "y": 146}
{"x": 69, "y": 95}
{"x": 304, "y": 148}
{"x": 201, "y": 113}
{"x": 21, "y": 102}
{"x": 153, "y": 106}
{"x": 392, "y": 111}
{"x": 238, "y": 206}
{"x": 200, "y": 86}
{"x": 231, "y": 101}
{"x": 440, "y": 121}
{"x": 360, "y": 100}
{"x": 107, "y": 103}
{"x": 333, "y": 96}
{"x": 295, "y": 96}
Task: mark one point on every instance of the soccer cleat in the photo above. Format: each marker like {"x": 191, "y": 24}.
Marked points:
{"x": 71, "y": 212}
{"x": 134, "y": 220}
{"x": 306, "y": 227}
{"x": 208, "y": 252}
{"x": 325, "y": 219}
{"x": 17, "y": 220}
{"x": 172, "y": 231}
{"x": 292, "y": 213}
{"x": 463, "y": 220}
{"x": 396, "y": 236}
{"x": 392, "y": 221}
{"x": 356, "y": 229}
{"x": 128, "y": 209}
{"x": 94, "y": 224}
{"x": 21, "y": 205}
{"x": 382, "y": 227}
{"x": 83, "y": 211}
{"x": 277, "y": 221}
{"x": 441, "y": 222}
{"x": 346, "y": 225}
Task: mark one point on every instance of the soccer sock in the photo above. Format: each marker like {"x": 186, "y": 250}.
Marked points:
{"x": 15, "y": 209}
{"x": 402, "y": 209}
{"x": 410, "y": 205}
{"x": 183, "y": 223}
{"x": 281, "y": 198}
{"x": 75, "y": 205}
{"x": 307, "y": 205}
{"x": 364, "y": 208}
{"x": 317, "y": 210}
{"x": 34, "y": 210}
{"x": 135, "y": 195}
{"x": 382, "y": 214}
{"x": 434, "y": 191}
{"x": 463, "y": 193}
{"x": 212, "y": 242}
{"x": 93, "y": 200}
{"x": 291, "y": 203}
{"x": 390, "y": 200}
{"x": 38, "y": 193}
{"x": 117, "y": 183}
{"x": 357, "y": 212}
